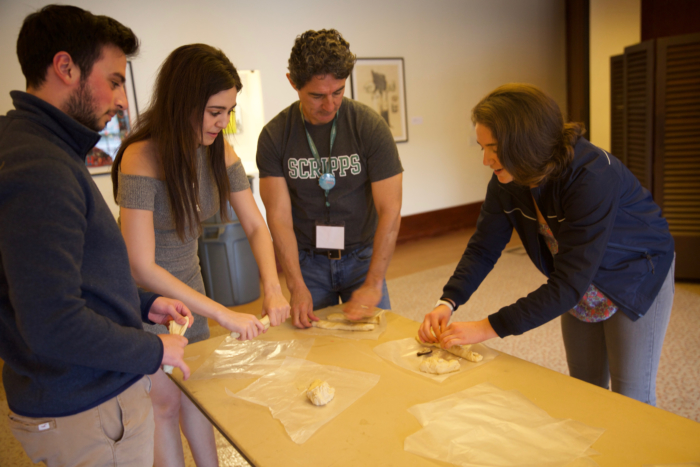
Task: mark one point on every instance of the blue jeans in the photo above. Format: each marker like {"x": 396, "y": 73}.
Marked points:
{"x": 333, "y": 280}
{"x": 620, "y": 350}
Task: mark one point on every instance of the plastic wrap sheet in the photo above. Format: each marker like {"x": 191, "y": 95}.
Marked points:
{"x": 486, "y": 426}
{"x": 284, "y": 392}
{"x": 247, "y": 359}
{"x": 324, "y": 312}
{"x": 403, "y": 352}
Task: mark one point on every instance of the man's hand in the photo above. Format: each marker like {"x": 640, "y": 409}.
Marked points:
{"x": 434, "y": 324}
{"x": 467, "y": 332}
{"x": 302, "y": 308}
{"x": 173, "y": 351}
{"x": 247, "y": 326}
{"x": 164, "y": 309}
{"x": 362, "y": 302}
{"x": 276, "y": 307}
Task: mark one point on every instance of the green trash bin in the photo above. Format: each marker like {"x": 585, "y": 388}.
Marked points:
{"x": 231, "y": 275}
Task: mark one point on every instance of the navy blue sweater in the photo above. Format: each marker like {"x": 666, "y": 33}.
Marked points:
{"x": 609, "y": 230}
{"x": 70, "y": 313}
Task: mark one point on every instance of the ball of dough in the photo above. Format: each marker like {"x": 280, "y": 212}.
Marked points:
{"x": 320, "y": 393}
{"x": 439, "y": 366}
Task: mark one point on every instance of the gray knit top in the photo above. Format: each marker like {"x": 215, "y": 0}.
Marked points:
{"x": 175, "y": 256}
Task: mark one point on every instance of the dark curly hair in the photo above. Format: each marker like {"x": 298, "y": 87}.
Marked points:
{"x": 57, "y": 28}
{"x": 320, "y": 53}
{"x": 532, "y": 141}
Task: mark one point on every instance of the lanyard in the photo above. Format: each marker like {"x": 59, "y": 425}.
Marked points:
{"x": 327, "y": 179}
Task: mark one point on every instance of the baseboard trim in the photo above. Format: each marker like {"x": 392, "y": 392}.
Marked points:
{"x": 439, "y": 222}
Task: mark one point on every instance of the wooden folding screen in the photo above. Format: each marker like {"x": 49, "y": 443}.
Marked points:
{"x": 655, "y": 124}
{"x": 638, "y": 112}
{"x": 677, "y": 147}
{"x": 617, "y": 106}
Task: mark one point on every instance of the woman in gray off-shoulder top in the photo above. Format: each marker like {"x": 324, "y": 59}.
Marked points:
{"x": 174, "y": 171}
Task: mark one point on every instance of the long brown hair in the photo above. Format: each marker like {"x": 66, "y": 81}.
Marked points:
{"x": 173, "y": 122}
{"x": 532, "y": 141}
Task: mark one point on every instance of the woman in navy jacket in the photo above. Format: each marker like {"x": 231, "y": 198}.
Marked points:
{"x": 587, "y": 224}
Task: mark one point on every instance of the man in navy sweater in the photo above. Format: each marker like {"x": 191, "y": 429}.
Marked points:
{"x": 71, "y": 316}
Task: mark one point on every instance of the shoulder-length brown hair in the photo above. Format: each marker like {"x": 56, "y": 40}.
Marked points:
{"x": 532, "y": 141}
{"x": 173, "y": 122}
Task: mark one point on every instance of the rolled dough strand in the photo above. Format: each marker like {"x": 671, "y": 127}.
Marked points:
{"x": 459, "y": 350}
{"x": 265, "y": 320}
{"x": 179, "y": 330}
{"x": 323, "y": 324}
{"x": 340, "y": 318}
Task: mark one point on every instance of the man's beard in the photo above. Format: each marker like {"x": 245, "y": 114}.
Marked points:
{"x": 81, "y": 107}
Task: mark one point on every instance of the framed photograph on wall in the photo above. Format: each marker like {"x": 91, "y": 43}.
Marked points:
{"x": 380, "y": 84}
{"x": 99, "y": 159}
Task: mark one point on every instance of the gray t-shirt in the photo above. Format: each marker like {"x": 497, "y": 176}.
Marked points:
{"x": 364, "y": 152}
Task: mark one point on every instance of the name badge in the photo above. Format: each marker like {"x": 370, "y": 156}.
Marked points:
{"x": 330, "y": 235}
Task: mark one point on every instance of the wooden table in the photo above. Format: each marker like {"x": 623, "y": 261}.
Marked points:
{"x": 372, "y": 430}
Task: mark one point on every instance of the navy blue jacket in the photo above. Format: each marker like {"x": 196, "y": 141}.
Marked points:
{"x": 70, "y": 314}
{"x": 609, "y": 230}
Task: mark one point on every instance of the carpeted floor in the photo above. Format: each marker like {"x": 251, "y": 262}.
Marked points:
{"x": 678, "y": 383}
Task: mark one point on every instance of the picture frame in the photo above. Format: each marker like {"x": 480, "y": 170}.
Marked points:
{"x": 99, "y": 159}
{"x": 380, "y": 84}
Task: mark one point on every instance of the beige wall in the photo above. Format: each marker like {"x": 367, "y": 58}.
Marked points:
{"x": 615, "y": 24}
{"x": 455, "y": 51}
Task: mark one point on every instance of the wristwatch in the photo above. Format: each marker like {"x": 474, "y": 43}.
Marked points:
{"x": 446, "y": 303}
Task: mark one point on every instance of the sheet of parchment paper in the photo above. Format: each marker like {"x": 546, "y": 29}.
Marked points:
{"x": 284, "y": 393}
{"x": 486, "y": 426}
{"x": 324, "y": 312}
{"x": 247, "y": 359}
{"x": 403, "y": 352}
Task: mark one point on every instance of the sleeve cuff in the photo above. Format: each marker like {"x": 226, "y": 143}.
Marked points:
{"x": 147, "y": 299}
{"x": 447, "y": 303}
{"x": 498, "y": 324}
{"x": 449, "y": 300}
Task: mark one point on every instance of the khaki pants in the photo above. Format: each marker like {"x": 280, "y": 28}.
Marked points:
{"x": 118, "y": 432}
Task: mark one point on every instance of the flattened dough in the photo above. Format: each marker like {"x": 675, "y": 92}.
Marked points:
{"x": 347, "y": 326}
{"x": 340, "y": 318}
{"x": 320, "y": 393}
{"x": 438, "y": 366}
{"x": 459, "y": 350}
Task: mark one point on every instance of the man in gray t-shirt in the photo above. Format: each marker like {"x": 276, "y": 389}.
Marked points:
{"x": 330, "y": 178}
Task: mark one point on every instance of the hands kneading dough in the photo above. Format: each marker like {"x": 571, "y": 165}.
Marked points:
{"x": 338, "y": 321}
{"x": 178, "y": 329}
{"x": 320, "y": 393}
{"x": 459, "y": 350}
{"x": 438, "y": 366}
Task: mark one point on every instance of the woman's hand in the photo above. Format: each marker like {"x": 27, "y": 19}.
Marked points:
{"x": 248, "y": 326}
{"x": 467, "y": 332}
{"x": 276, "y": 307}
{"x": 434, "y": 324}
